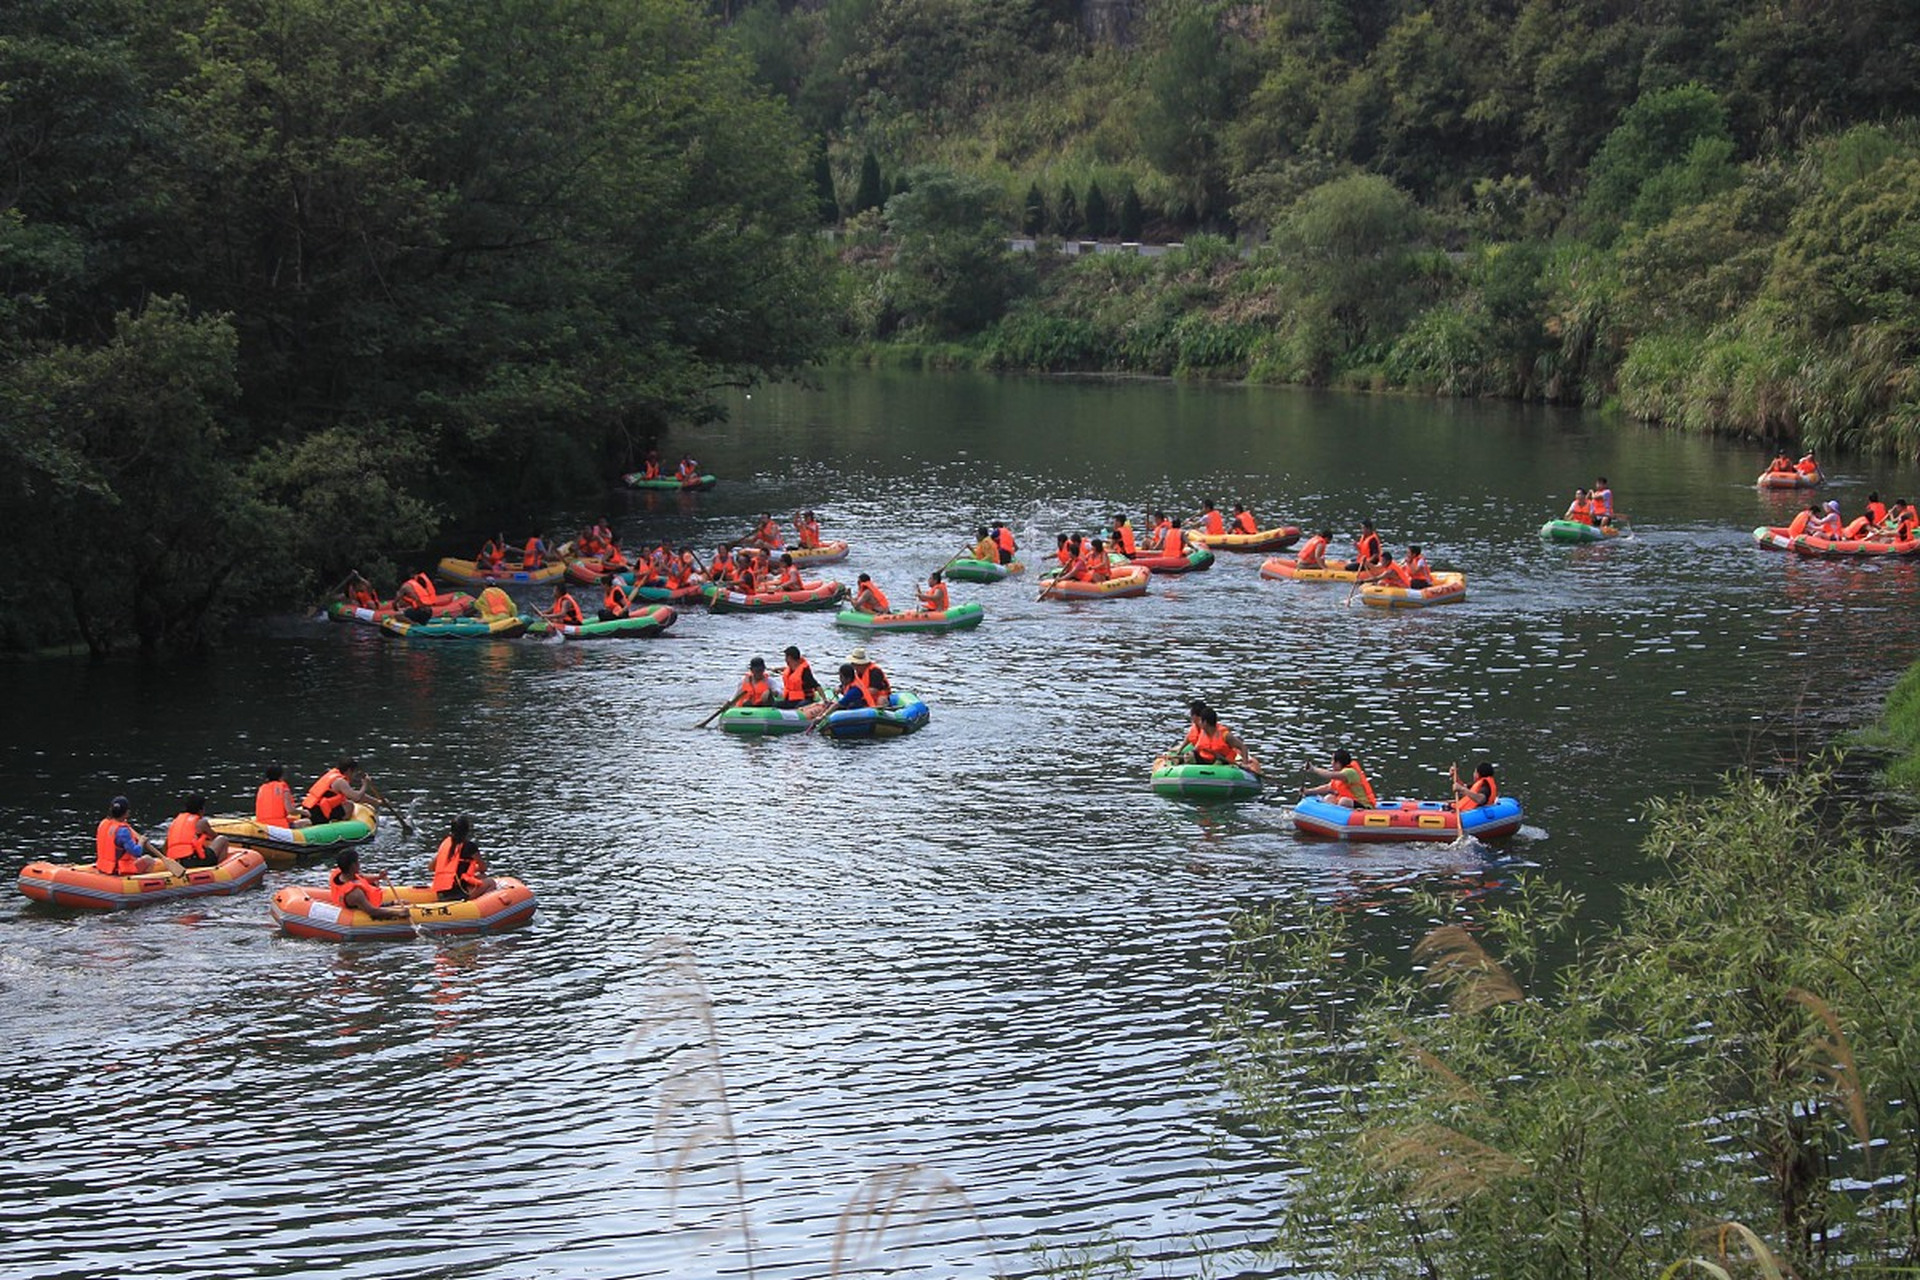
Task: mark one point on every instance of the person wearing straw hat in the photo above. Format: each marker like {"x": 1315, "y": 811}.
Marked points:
{"x": 869, "y": 676}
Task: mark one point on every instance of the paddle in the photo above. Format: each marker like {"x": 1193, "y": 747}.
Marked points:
{"x": 380, "y": 798}
{"x": 816, "y": 721}
{"x": 727, "y": 705}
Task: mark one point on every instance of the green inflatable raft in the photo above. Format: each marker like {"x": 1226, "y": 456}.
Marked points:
{"x": 649, "y": 620}
{"x": 957, "y": 617}
{"x": 1204, "y": 781}
{"x": 967, "y": 569}
{"x": 1579, "y": 531}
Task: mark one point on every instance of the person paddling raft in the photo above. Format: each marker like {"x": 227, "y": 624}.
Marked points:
{"x": 348, "y": 888}
{"x": 1346, "y": 783}
{"x": 870, "y": 677}
{"x": 1003, "y": 539}
{"x": 755, "y": 689}
{"x": 1482, "y": 791}
{"x": 868, "y": 598}
{"x": 983, "y": 548}
{"x": 1313, "y": 553}
{"x": 798, "y": 686}
{"x": 933, "y": 596}
{"x": 1366, "y": 547}
{"x": 565, "y": 610}
{"x": 332, "y": 797}
{"x": 273, "y": 803}
{"x": 119, "y": 850}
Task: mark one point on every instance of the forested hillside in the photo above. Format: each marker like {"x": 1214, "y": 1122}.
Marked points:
{"x": 288, "y": 281}
{"x": 1705, "y": 211}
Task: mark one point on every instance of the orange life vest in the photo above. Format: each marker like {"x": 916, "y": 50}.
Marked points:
{"x": 1339, "y": 786}
{"x": 1799, "y": 525}
{"x": 1212, "y": 747}
{"x": 108, "y": 857}
{"x": 688, "y": 471}
{"x": 793, "y": 681}
{"x": 1876, "y": 513}
{"x": 617, "y": 600}
{"x": 790, "y": 579}
{"x": 1244, "y": 523}
{"x": 273, "y": 805}
{"x": 807, "y": 532}
{"x": 183, "y": 841}
{"x": 1581, "y": 511}
{"x": 1367, "y": 548}
{"x": 322, "y": 801}
{"x": 768, "y": 533}
{"x": 566, "y": 611}
{"x": 1123, "y": 534}
{"x": 530, "y": 554}
{"x": 339, "y": 886}
{"x": 452, "y": 866}
{"x": 650, "y": 471}
{"x": 863, "y": 678}
{"x": 1472, "y": 801}
{"x": 1416, "y": 569}
{"x": 1603, "y": 502}
{"x": 1391, "y": 575}
{"x": 1215, "y": 524}
{"x": 1004, "y": 540}
{"x": 1175, "y": 544}
{"x": 879, "y": 599}
{"x": 755, "y": 691}
{"x": 1313, "y": 554}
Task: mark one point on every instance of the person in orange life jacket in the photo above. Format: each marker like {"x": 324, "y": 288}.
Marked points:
{"x": 755, "y": 689}
{"x": 806, "y": 529}
{"x": 870, "y": 677}
{"x": 273, "y": 803}
{"x": 1902, "y": 520}
{"x": 1346, "y": 783}
{"x": 1482, "y": 791}
{"x": 766, "y": 533}
{"x": 1003, "y": 539}
{"x": 1210, "y": 742}
{"x": 191, "y": 840}
{"x": 933, "y": 596}
{"x": 1174, "y": 541}
{"x": 688, "y": 471}
{"x": 1803, "y": 519}
{"x": 1211, "y": 521}
{"x": 790, "y": 579}
{"x": 565, "y": 610}
{"x": 868, "y": 598}
{"x": 348, "y": 888}
{"x": 1366, "y": 547}
{"x": 1419, "y": 577}
{"x": 1807, "y": 466}
{"x": 332, "y": 797}
{"x": 984, "y": 548}
{"x": 1157, "y": 537}
{"x": 1099, "y": 567}
{"x": 493, "y": 554}
{"x": 650, "y": 469}
{"x": 533, "y": 554}
{"x": 1313, "y": 552}
{"x": 613, "y": 559}
{"x": 119, "y": 850}
{"x": 1580, "y": 511}
{"x": 798, "y": 686}
{"x": 458, "y": 870}
{"x": 1602, "y": 499}
{"x": 1243, "y": 521}
{"x": 1875, "y": 517}
{"x": 360, "y": 593}
{"x": 616, "y": 602}
{"x": 1063, "y": 552}
{"x": 1384, "y": 572}
{"x": 1827, "y": 524}
{"x": 414, "y": 599}
{"x": 1123, "y": 536}
{"x": 1781, "y": 464}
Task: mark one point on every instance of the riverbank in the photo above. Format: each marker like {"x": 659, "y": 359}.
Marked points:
{"x": 1765, "y": 303}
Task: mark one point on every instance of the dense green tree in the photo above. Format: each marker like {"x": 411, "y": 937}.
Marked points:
{"x": 1192, "y": 88}
{"x": 1099, "y": 220}
{"x": 1132, "y": 217}
{"x": 826, "y": 201}
{"x": 1657, "y": 133}
{"x": 872, "y": 192}
{"x": 1348, "y": 243}
{"x": 955, "y": 273}
{"x": 1066, "y": 214}
{"x": 1033, "y": 220}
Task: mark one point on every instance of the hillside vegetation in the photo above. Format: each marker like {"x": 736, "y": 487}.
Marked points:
{"x": 1705, "y": 212}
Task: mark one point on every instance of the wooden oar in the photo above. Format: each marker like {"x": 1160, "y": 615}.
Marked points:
{"x": 725, "y": 706}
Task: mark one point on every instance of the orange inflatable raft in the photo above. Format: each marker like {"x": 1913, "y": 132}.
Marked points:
{"x": 306, "y": 911}
{"x": 1447, "y": 588}
{"x": 1124, "y": 583}
{"x": 1288, "y": 569}
{"x": 82, "y": 886}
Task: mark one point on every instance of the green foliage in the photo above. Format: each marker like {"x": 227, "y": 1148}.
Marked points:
{"x": 826, "y": 201}
{"x": 1066, "y": 214}
{"x": 1741, "y": 1046}
{"x": 1350, "y": 243}
{"x": 1658, "y": 136}
{"x": 1099, "y": 221}
{"x": 1193, "y": 85}
{"x": 954, "y": 274}
{"x": 871, "y": 193}
{"x": 1898, "y": 732}
{"x": 1131, "y": 215}
{"x": 1033, "y": 219}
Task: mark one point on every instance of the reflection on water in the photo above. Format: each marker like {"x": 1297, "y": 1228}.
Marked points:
{"x": 985, "y": 953}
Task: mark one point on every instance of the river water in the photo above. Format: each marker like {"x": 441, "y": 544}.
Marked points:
{"x": 966, "y": 976}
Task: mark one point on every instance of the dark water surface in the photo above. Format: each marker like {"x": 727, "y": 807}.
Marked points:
{"x": 986, "y": 952}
